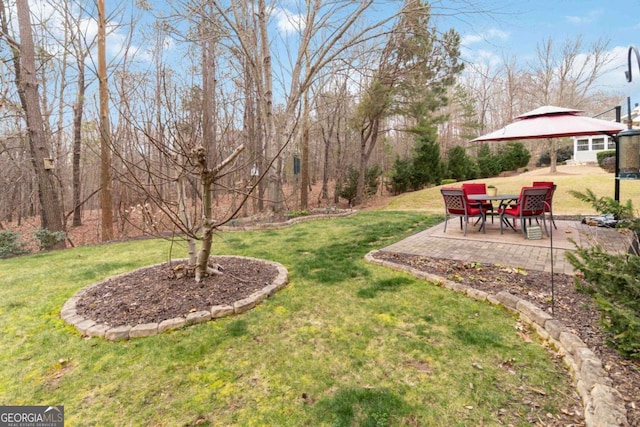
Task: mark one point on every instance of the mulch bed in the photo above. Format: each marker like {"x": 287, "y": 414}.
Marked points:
{"x": 577, "y": 311}
{"x": 162, "y": 292}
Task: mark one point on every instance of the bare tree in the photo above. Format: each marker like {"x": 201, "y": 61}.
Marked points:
{"x": 325, "y": 30}
{"x": 106, "y": 186}
{"x": 24, "y": 59}
{"x": 566, "y": 76}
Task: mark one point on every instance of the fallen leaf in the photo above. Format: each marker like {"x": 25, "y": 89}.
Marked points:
{"x": 540, "y": 392}
{"x": 524, "y": 336}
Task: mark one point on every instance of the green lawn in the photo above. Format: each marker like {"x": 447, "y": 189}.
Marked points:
{"x": 577, "y": 178}
{"x": 346, "y": 343}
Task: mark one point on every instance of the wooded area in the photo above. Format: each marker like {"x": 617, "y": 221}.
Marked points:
{"x": 205, "y": 100}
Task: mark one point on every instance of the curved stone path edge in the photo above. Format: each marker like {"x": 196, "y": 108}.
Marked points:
{"x": 603, "y": 405}
{"x": 88, "y": 327}
{"x": 287, "y": 223}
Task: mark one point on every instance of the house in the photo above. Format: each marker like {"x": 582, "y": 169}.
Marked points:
{"x": 586, "y": 148}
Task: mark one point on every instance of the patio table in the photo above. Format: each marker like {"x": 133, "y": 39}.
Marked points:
{"x": 504, "y": 199}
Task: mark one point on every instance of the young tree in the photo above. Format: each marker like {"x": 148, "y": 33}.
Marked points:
{"x": 80, "y": 46}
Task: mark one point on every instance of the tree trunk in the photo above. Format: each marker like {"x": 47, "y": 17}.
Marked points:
{"x": 208, "y": 178}
{"x": 106, "y": 198}
{"x": 51, "y": 211}
{"x": 202, "y": 263}
{"x": 77, "y": 146}
{"x": 368, "y": 140}
{"x": 553, "y": 154}
{"x": 304, "y": 161}
{"x": 324, "y": 194}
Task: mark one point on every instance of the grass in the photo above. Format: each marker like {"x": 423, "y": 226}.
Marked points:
{"x": 602, "y": 184}
{"x": 344, "y": 344}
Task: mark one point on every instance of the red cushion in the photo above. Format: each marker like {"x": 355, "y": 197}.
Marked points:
{"x": 542, "y": 184}
{"x": 474, "y": 188}
{"x": 473, "y": 211}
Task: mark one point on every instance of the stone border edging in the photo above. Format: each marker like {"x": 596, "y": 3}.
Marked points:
{"x": 88, "y": 327}
{"x": 287, "y": 223}
{"x": 602, "y": 403}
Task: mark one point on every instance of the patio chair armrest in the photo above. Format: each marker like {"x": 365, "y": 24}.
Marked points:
{"x": 511, "y": 203}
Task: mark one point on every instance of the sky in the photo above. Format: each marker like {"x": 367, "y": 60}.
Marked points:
{"x": 515, "y": 28}
{"x": 495, "y": 29}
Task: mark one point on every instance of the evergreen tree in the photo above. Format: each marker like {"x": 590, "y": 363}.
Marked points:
{"x": 459, "y": 165}
{"x": 487, "y": 162}
{"x": 427, "y": 164}
{"x": 401, "y": 176}
{"x": 514, "y": 155}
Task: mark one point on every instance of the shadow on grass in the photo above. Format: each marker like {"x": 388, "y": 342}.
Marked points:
{"x": 385, "y": 285}
{"x": 470, "y": 335}
{"x": 362, "y": 407}
{"x": 342, "y": 259}
{"x": 237, "y": 328}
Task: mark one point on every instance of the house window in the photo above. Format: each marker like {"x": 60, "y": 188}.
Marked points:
{"x": 582, "y": 145}
{"x": 611, "y": 144}
{"x": 597, "y": 144}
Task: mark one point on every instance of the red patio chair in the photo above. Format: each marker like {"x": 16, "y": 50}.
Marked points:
{"x": 549, "y": 206}
{"x": 455, "y": 204}
{"x": 478, "y": 188}
{"x": 530, "y": 205}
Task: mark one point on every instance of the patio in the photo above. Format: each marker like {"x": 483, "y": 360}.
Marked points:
{"x": 510, "y": 248}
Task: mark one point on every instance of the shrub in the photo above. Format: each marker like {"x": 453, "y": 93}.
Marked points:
{"x": 372, "y": 174}
{"x": 606, "y": 205}
{"x": 488, "y": 164}
{"x": 513, "y": 155}
{"x": 420, "y": 170}
{"x": 602, "y": 158}
{"x": 562, "y": 155}
{"x": 400, "y": 177}
{"x": 612, "y": 280}
{"x": 602, "y": 155}
{"x": 614, "y": 283}
{"x": 47, "y": 239}
{"x": 426, "y": 163}
{"x": 10, "y": 244}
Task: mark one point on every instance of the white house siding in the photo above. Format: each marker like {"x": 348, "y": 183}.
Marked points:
{"x": 586, "y": 148}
